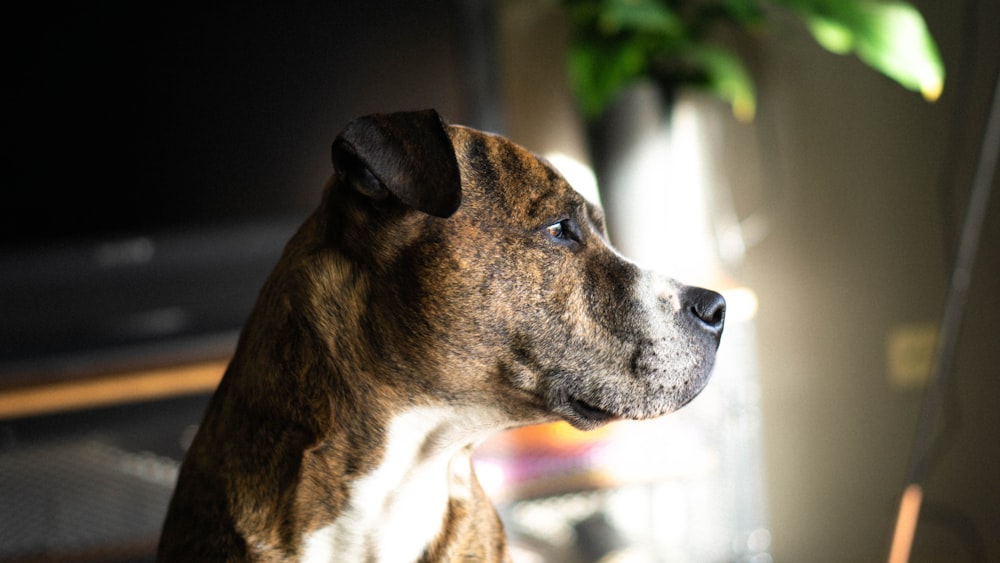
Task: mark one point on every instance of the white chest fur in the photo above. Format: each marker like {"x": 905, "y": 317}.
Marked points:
{"x": 395, "y": 511}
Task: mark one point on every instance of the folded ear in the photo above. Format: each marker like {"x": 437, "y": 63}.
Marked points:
{"x": 408, "y": 155}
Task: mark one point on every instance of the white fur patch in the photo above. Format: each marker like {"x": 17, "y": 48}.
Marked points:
{"x": 395, "y": 511}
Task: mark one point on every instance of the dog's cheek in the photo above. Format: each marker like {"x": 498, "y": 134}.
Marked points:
{"x": 520, "y": 302}
{"x": 564, "y": 345}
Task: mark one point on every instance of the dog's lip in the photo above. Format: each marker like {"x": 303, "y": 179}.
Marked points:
{"x": 589, "y": 412}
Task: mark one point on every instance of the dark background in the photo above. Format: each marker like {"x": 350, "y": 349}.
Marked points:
{"x": 157, "y": 156}
{"x": 155, "y": 159}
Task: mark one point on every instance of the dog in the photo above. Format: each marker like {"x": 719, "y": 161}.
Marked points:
{"x": 450, "y": 285}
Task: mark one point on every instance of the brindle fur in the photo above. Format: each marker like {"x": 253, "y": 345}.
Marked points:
{"x": 425, "y": 277}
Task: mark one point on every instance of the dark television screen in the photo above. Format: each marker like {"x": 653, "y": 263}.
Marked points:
{"x": 131, "y": 116}
{"x": 156, "y": 156}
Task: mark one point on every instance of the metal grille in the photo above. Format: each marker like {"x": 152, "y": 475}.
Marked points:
{"x": 81, "y": 496}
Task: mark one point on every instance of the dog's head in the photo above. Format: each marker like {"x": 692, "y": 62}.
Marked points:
{"x": 497, "y": 283}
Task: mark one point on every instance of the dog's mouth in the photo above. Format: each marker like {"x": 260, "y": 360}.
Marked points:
{"x": 587, "y": 416}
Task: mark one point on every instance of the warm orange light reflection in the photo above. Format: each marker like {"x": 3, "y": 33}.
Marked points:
{"x": 906, "y": 524}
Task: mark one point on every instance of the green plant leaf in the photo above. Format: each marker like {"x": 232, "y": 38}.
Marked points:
{"x": 744, "y": 12}
{"x": 726, "y": 77}
{"x": 891, "y": 37}
{"x": 613, "y": 43}
{"x": 616, "y": 42}
{"x": 640, "y": 15}
{"x": 599, "y": 71}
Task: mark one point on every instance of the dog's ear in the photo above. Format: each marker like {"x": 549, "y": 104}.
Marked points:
{"x": 406, "y": 154}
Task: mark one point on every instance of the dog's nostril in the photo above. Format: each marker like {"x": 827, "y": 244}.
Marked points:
{"x": 707, "y": 307}
{"x": 712, "y": 316}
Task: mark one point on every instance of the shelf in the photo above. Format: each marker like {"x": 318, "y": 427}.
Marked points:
{"x": 111, "y": 389}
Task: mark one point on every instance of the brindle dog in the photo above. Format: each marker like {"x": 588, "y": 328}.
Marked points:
{"x": 450, "y": 285}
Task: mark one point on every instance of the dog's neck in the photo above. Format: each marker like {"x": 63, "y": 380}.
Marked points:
{"x": 397, "y": 510}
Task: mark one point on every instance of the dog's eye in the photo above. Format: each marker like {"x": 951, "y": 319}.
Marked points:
{"x": 564, "y": 231}
{"x": 557, "y": 230}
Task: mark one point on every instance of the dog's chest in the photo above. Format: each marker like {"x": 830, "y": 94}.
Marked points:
{"x": 397, "y": 510}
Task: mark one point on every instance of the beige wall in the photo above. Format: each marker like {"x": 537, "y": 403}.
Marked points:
{"x": 856, "y": 250}
{"x": 842, "y": 170}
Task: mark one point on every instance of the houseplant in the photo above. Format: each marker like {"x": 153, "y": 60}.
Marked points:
{"x": 675, "y": 43}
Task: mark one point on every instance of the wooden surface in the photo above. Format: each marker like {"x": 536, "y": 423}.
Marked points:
{"x": 111, "y": 389}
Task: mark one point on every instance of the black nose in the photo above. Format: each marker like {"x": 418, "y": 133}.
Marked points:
{"x": 707, "y": 308}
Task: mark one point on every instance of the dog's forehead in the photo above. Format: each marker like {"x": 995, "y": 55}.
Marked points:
{"x": 512, "y": 176}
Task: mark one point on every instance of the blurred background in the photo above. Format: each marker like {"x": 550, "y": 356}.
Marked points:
{"x": 157, "y": 157}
